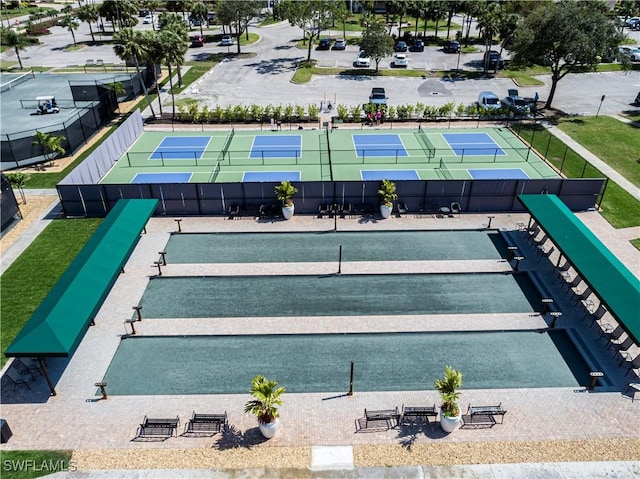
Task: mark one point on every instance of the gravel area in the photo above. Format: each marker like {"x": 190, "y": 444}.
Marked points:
{"x": 436, "y": 454}
{"x": 35, "y": 207}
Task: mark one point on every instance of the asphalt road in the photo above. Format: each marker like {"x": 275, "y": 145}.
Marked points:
{"x": 265, "y": 78}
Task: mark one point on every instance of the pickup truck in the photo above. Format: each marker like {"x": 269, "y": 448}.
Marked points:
{"x": 378, "y": 96}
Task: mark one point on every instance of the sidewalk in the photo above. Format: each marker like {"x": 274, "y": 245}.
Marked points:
{"x": 595, "y": 161}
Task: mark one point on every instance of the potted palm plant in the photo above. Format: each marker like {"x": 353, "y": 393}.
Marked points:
{"x": 387, "y": 193}
{"x": 450, "y": 414}
{"x": 284, "y": 192}
{"x": 267, "y": 396}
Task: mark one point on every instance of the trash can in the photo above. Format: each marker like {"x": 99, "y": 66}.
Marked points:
{"x": 5, "y": 431}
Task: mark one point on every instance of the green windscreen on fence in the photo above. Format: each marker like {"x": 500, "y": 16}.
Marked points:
{"x": 608, "y": 278}
{"x": 58, "y": 325}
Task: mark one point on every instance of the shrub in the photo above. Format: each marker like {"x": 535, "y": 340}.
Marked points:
{"x": 343, "y": 112}
{"x": 314, "y": 111}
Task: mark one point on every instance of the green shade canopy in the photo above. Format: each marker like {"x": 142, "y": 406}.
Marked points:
{"x": 58, "y": 325}
{"x": 607, "y": 277}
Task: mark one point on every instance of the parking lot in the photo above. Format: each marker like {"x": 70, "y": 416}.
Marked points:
{"x": 265, "y": 77}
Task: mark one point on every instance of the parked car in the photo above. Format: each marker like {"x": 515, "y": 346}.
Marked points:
{"x": 197, "y": 40}
{"x": 417, "y": 46}
{"x": 400, "y": 60}
{"x": 143, "y": 12}
{"x": 401, "y": 46}
{"x": 211, "y": 18}
{"x": 339, "y": 44}
{"x": 493, "y": 59}
{"x": 519, "y": 106}
{"x": 451, "y": 46}
{"x": 363, "y": 60}
{"x": 147, "y": 20}
{"x": 487, "y": 100}
{"x": 633, "y": 53}
{"x": 226, "y": 40}
{"x": 324, "y": 44}
{"x": 378, "y": 96}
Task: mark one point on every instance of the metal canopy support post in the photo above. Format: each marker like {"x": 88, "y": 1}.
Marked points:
{"x": 45, "y": 373}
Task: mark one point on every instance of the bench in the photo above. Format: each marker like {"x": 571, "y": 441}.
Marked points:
{"x": 389, "y": 416}
{"x": 206, "y": 423}
{"x": 159, "y": 426}
{"x": 485, "y": 414}
{"x": 155, "y": 431}
{"x": 413, "y": 414}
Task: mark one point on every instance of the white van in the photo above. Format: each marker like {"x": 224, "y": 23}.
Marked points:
{"x": 487, "y": 100}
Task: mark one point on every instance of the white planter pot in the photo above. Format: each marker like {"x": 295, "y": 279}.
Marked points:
{"x": 268, "y": 430}
{"x": 385, "y": 211}
{"x": 450, "y": 424}
{"x": 287, "y": 211}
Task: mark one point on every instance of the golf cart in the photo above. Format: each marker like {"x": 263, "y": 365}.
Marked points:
{"x": 47, "y": 104}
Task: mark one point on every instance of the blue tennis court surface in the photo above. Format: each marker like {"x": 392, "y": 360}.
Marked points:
{"x": 379, "y": 175}
{"x": 162, "y": 178}
{"x": 282, "y": 146}
{"x": 180, "y": 147}
{"x": 475, "y": 144}
{"x": 267, "y": 176}
{"x": 498, "y": 174}
{"x": 378, "y": 145}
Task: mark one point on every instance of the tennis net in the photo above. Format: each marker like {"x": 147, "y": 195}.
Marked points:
{"x": 444, "y": 169}
{"x": 227, "y": 144}
{"x": 426, "y": 144}
{"x": 214, "y": 173}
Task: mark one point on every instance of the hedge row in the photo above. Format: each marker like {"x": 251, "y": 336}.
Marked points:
{"x": 356, "y": 113}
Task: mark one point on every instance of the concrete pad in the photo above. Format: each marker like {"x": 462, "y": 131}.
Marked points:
{"x": 331, "y": 457}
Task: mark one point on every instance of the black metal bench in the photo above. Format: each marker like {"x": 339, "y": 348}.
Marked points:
{"x": 389, "y": 416}
{"x": 158, "y": 428}
{"x": 171, "y": 422}
{"x": 485, "y": 414}
{"x": 414, "y": 414}
{"x": 206, "y": 423}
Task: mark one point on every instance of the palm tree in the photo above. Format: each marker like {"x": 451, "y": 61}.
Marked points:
{"x": 155, "y": 56}
{"x": 89, "y": 13}
{"x": 174, "y": 49}
{"x": 488, "y": 24}
{"x": 11, "y": 38}
{"x": 173, "y": 22}
{"x": 267, "y": 396}
{"x": 199, "y": 12}
{"x": 50, "y": 144}
{"x": 70, "y": 23}
{"x": 152, "y": 6}
{"x": 130, "y": 45}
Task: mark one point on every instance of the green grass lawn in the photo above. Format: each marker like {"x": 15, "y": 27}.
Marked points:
{"x": 614, "y": 142}
{"x": 636, "y": 243}
{"x": 618, "y": 207}
{"x": 27, "y": 281}
{"x": 34, "y": 463}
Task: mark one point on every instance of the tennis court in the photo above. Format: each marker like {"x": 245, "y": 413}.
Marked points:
{"x": 320, "y": 362}
{"x": 338, "y": 155}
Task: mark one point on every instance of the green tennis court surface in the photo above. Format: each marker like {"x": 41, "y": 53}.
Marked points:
{"x": 320, "y": 155}
{"x": 324, "y": 247}
{"x": 346, "y": 295}
{"x": 320, "y": 362}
